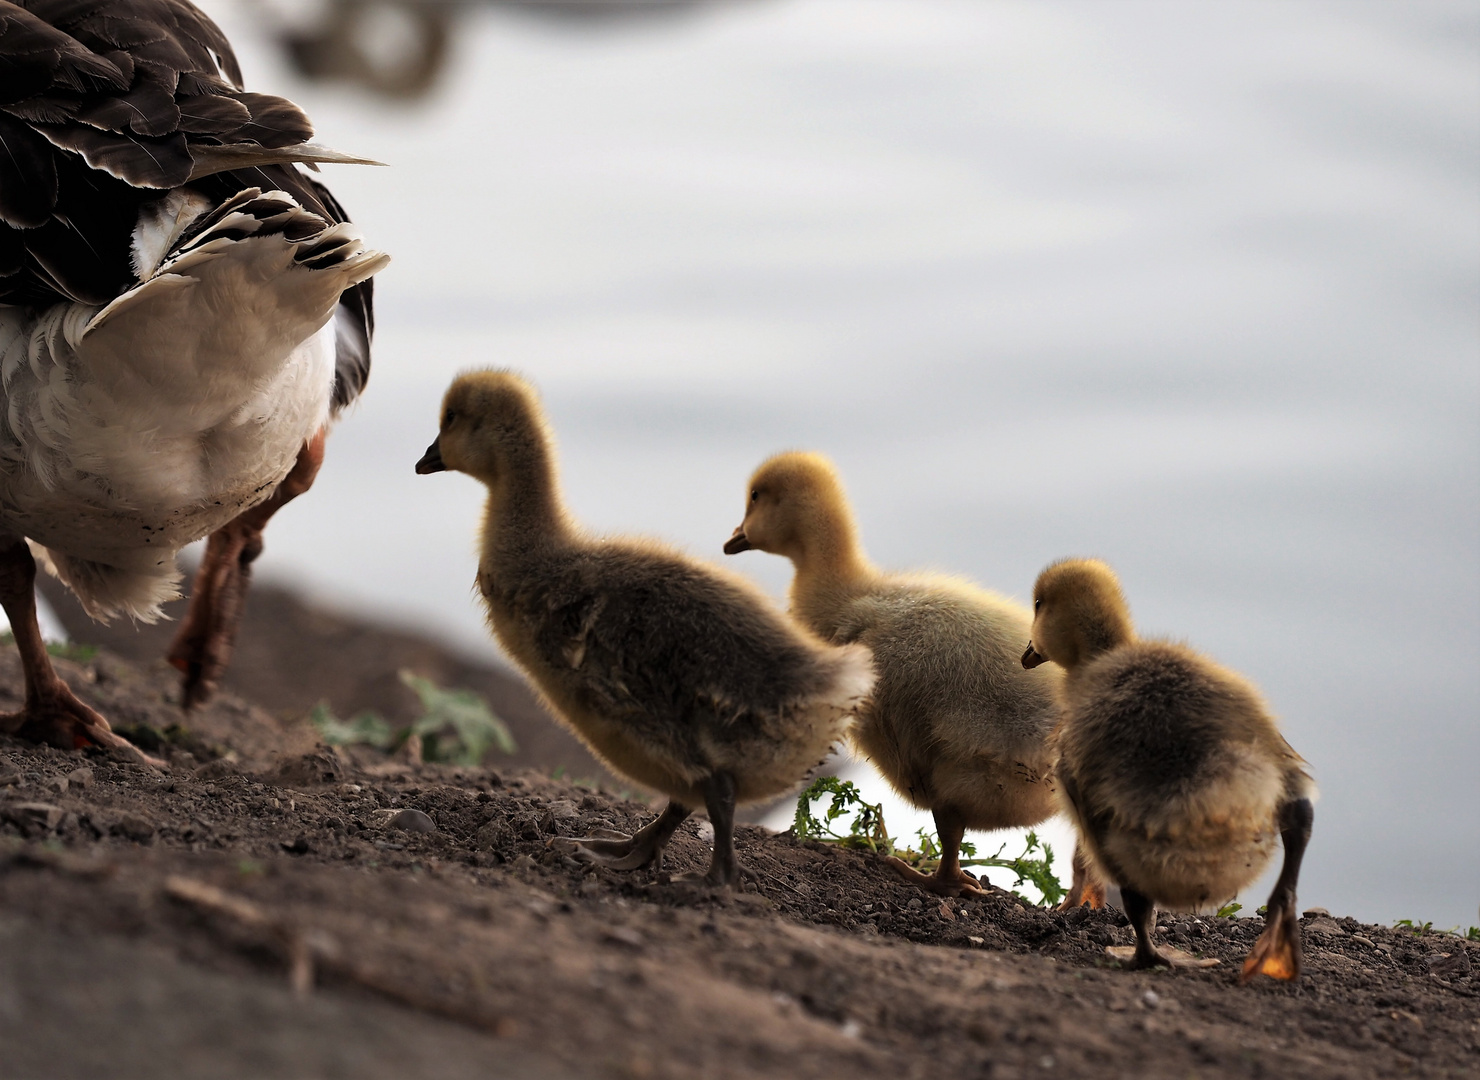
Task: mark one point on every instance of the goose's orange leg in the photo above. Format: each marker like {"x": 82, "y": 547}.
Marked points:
{"x": 52, "y": 714}
{"x": 207, "y": 636}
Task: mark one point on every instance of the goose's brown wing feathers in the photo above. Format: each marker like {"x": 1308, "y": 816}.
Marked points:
{"x": 101, "y": 102}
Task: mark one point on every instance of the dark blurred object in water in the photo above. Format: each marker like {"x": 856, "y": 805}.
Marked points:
{"x": 398, "y": 48}
{"x": 393, "y": 47}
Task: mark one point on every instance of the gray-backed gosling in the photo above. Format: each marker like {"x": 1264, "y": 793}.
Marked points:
{"x": 678, "y": 675}
{"x": 955, "y": 724}
{"x": 1171, "y": 766}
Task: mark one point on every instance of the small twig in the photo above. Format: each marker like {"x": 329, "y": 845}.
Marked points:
{"x": 302, "y": 948}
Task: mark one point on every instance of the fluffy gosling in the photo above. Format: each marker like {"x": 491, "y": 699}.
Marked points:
{"x": 682, "y": 677}
{"x": 955, "y": 724}
{"x": 1171, "y": 766}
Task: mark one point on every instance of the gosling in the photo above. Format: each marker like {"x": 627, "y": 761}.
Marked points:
{"x": 677, "y": 675}
{"x": 955, "y": 725}
{"x": 1171, "y": 767}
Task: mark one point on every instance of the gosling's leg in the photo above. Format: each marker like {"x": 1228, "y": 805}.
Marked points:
{"x": 632, "y": 852}
{"x": 1277, "y": 952}
{"x": 1086, "y": 888}
{"x": 949, "y": 879}
{"x": 207, "y": 636}
{"x": 1142, "y": 913}
{"x": 1146, "y": 955}
{"x": 52, "y": 714}
{"x": 719, "y": 800}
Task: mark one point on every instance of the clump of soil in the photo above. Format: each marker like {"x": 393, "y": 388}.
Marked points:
{"x": 438, "y": 892}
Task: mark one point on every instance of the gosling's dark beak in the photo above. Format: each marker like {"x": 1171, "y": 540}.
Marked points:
{"x": 1032, "y": 657}
{"x": 737, "y": 543}
{"x": 431, "y": 461}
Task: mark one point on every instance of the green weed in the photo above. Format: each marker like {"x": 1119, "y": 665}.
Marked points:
{"x": 866, "y": 831}
{"x": 455, "y": 726}
{"x": 1228, "y": 911}
{"x": 67, "y": 650}
{"x": 1418, "y": 929}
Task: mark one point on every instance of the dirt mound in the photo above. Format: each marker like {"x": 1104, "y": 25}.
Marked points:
{"x": 291, "y": 655}
{"x": 394, "y": 893}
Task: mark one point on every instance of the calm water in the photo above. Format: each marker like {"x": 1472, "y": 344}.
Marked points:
{"x": 1189, "y": 287}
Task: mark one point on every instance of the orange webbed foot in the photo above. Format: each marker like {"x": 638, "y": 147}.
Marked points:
{"x": 1277, "y": 952}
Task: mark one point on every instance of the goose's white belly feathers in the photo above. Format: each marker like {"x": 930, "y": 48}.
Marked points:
{"x": 135, "y": 429}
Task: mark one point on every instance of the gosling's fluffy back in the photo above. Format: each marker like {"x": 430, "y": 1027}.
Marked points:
{"x": 947, "y": 653}
{"x": 669, "y": 668}
{"x": 955, "y": 719}
{"x": 1172, "y": 764}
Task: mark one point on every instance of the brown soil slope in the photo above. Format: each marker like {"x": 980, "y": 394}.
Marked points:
{"x": 291, "y": 655}
{"x": 161, "y": 923}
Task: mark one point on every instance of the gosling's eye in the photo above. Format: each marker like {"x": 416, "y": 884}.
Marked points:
{"x": 1037, "y": 604}
{"x": 755, "y": 494}
{"x": 449, "y": 418}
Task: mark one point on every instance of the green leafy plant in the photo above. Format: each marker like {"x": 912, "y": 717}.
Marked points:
{"x": 67, "y": 650}
{"x": 866, "y": 828}
{"x": 1229, "y": 910}
{"x": 866, "y": 831}
{"x": 1473, "y": 933}
{"x": 455, "y": 726}
{"x": 1418, "y": 929}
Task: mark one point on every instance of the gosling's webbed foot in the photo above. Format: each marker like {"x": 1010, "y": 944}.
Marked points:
{"x": 1137, "y": 959}
{"x": 1086, "y": 888}
{"x": 957, "y": 883}
{"x": 617, "y": 851}
{"x": 1277, "y": 951}
{"x": 625, "y": 854}
{"x": 718, "y": 876}
{"x": 1091, "y": 894}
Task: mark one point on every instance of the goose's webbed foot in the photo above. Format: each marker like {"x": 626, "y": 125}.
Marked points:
{"x": 52, "y": 714}
{"x": 631, "y": 852}
{"x": 207, "y": 637}
{"x": 56, "y": 717}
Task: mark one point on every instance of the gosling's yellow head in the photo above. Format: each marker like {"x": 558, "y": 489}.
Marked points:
{"x": 491, "y": 423}
{"x": 791, "y": 499}
{"x": 1078, "y": 613}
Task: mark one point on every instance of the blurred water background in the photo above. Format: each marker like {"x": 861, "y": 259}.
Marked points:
{"x": 1191, "y": 287}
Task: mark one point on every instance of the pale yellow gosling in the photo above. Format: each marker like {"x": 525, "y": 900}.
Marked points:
{"x": 678, "y": 675}
{"x": 1172, "y": 768}
{"x": 955, "y": 724}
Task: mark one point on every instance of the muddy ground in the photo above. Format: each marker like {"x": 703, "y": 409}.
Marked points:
{"x": 266, "y": 908}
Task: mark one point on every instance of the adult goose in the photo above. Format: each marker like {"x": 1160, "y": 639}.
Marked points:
{"x": 183, "y": 310}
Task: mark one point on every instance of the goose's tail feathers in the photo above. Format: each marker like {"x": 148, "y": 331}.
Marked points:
{"x": 106, "y": 591}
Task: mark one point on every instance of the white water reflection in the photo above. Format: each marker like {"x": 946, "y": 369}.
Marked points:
{"x": 1189, "y": 287}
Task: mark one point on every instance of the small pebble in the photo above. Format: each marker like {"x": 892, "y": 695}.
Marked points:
{"x": 136, "y": 828}
{"x": 1151, "y": 998}
{"x": 412, "y": 821}
{"x": 623, "y": 935}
